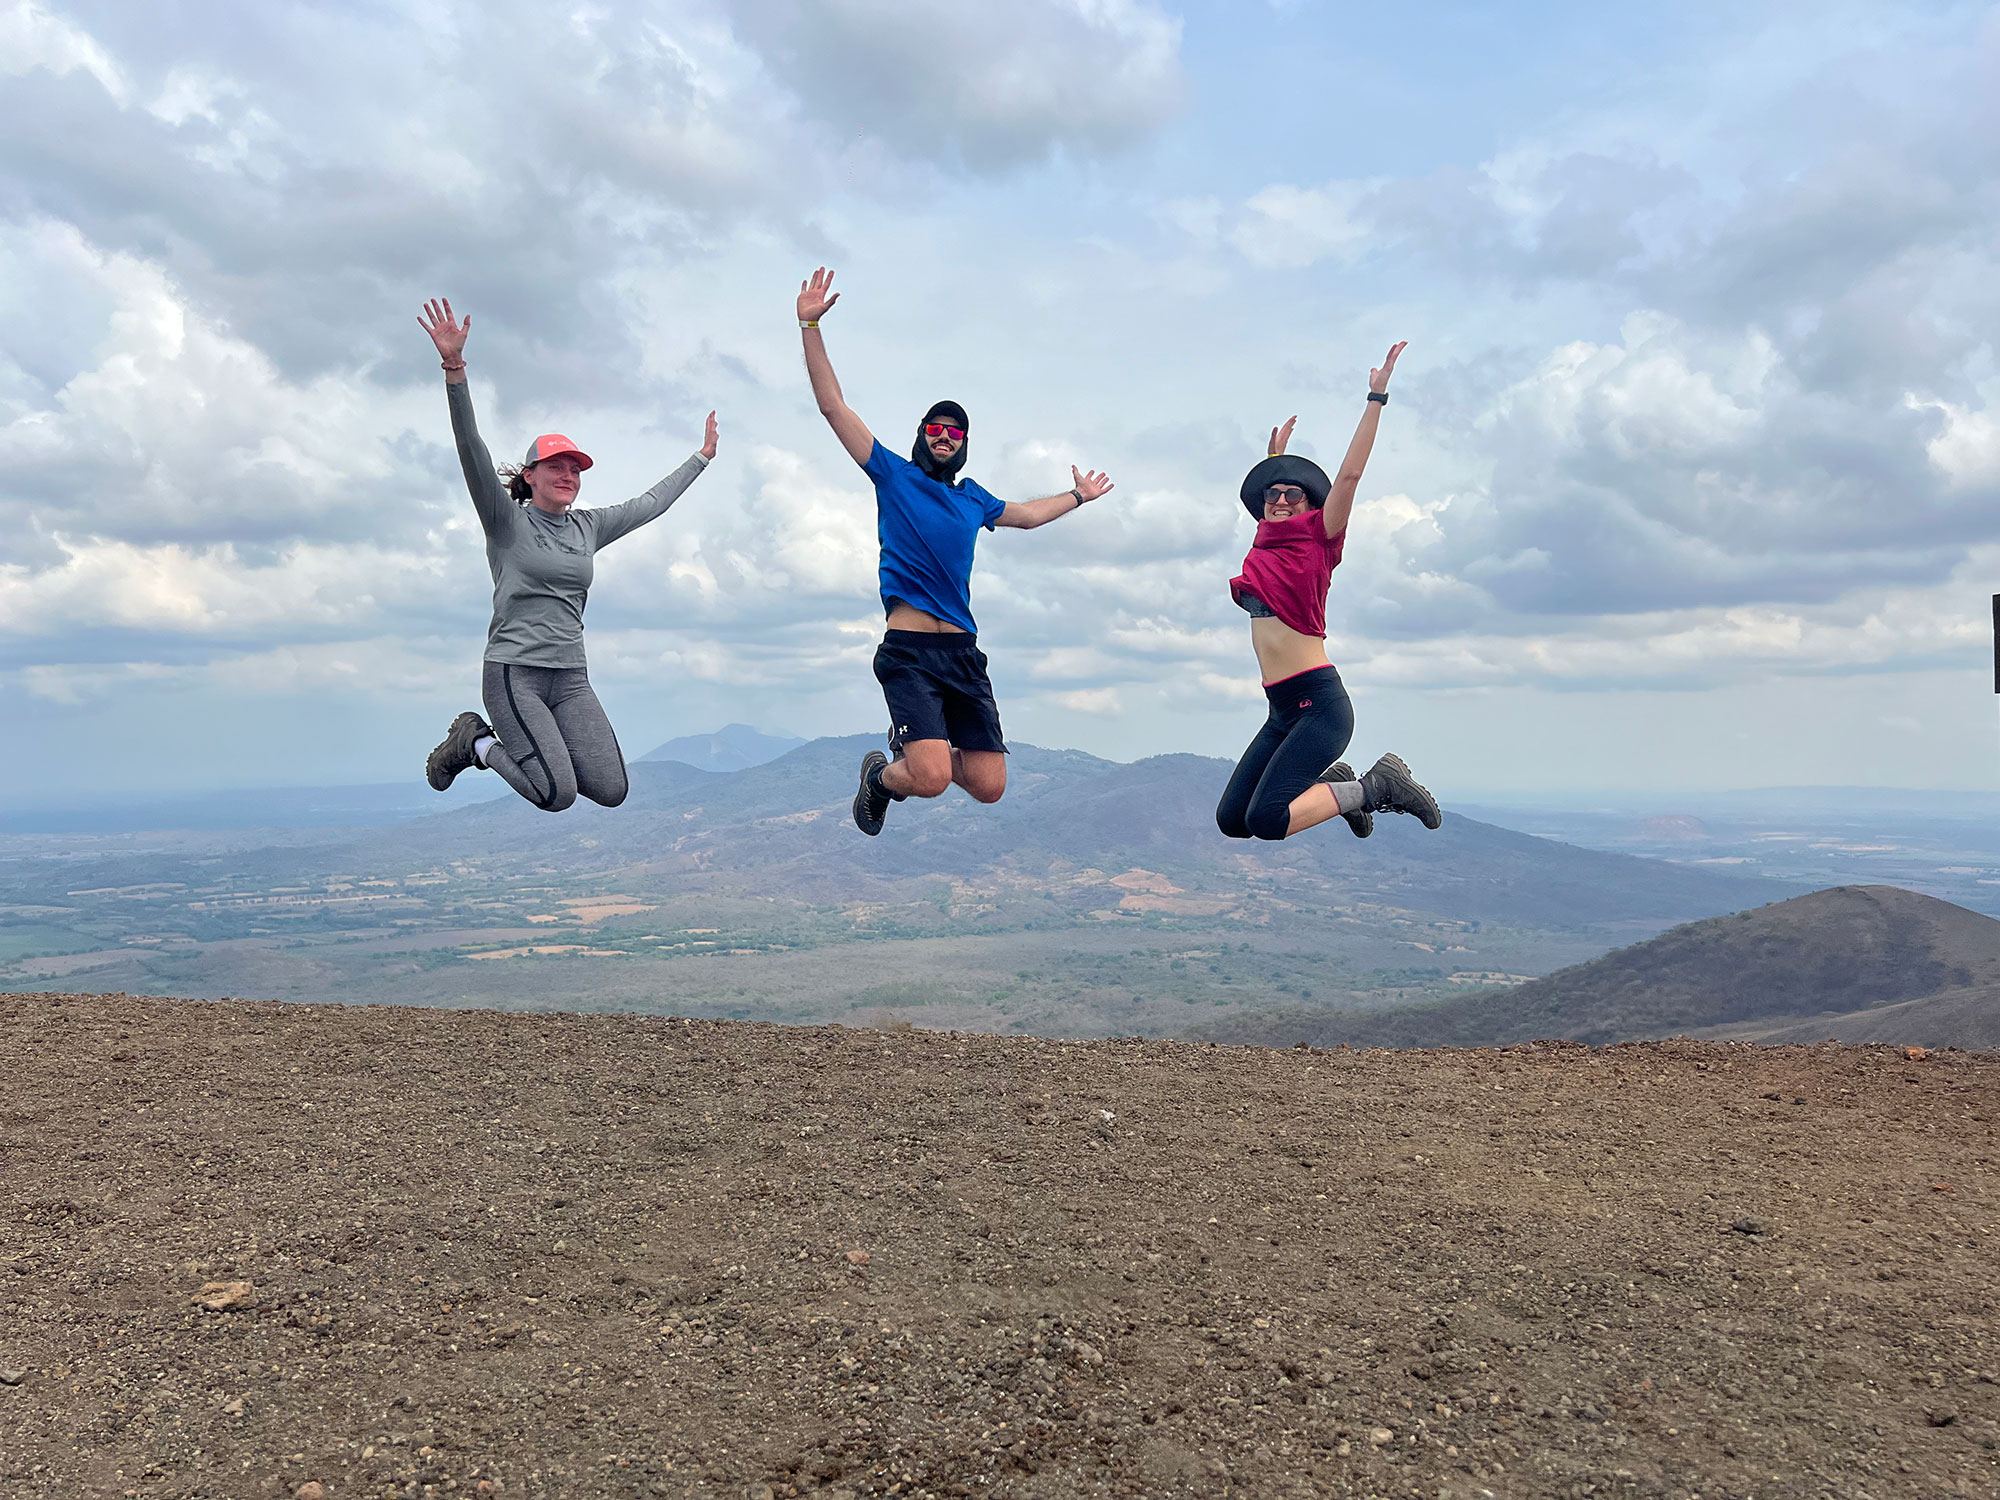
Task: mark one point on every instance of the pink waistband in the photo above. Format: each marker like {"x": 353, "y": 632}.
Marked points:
{"x": 1289, "y": 676}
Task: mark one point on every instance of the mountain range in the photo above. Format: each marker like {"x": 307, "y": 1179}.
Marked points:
{"x": 782, "y": 828}
{"x": 1097, "y": 898}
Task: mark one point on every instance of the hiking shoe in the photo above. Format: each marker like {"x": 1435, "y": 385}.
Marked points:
{"x": 1389, "y": 787}
{"x": 1361, "y": 821}
{"x": 871, "y": 806}
{"x": 454, "y": 751}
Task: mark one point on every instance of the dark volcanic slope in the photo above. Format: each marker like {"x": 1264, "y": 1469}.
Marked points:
{"x": 1849, "y": 949}
{"x": 1968, "y": 1018}
{"x": 454, "y": 1254}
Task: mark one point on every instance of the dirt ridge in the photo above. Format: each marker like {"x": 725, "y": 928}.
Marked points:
{"x": 463, "y": 1253}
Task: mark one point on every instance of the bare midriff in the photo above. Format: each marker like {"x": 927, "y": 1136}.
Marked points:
{"x": 1282, "y": 652}
{"x": 908, "y": 617}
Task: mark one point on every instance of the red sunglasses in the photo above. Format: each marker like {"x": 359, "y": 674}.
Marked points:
{"x": 944, "y": 429}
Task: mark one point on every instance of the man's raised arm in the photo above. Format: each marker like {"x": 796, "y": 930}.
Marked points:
{"x": 816, "y": 297}
{"x": 1028, "y": 514}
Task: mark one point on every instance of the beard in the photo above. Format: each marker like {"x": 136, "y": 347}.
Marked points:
{"x": 944, "y": 470}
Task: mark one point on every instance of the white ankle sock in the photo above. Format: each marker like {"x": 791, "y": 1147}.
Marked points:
{"x": 481, "y": 745}
{"x": 1348, "y": 796}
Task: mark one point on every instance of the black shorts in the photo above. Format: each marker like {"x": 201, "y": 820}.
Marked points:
{"x": 936, "y": 687}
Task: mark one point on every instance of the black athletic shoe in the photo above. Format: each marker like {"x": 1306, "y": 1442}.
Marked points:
{"x": 454, "y": 752}
{"x": 871, "y": 806}
{"x": 1362, "y": 821}
{"x": 1389, "y": 787}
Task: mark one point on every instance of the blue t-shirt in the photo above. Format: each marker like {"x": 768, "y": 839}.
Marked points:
{"x": 927, "y": 530}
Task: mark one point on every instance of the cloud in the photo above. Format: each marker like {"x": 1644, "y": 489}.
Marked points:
{"x": 137, "y": 417}
{"x": 1294, "y": 227}
{"x": 993, "y": 87}
{"x": 1678, "y": 468}
{"x": 33, "y": 38}
{"x": 1702, "y": 388}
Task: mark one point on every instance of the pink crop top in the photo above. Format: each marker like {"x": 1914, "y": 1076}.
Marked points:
{"x": 1289, "y": 568}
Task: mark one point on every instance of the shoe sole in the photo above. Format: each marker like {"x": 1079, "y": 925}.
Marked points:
{"x": 1360, "y": 823}
{"x": 1430, "y": 815}
{"x": 869, "y": 761}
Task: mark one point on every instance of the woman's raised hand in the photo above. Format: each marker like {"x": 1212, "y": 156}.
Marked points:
{"x": 708, "y": 438}
{"x": 1280, "y": 436}
{"x": 445, "y": 331}
{"x": 1089, "y": 486}
{"x": 816, "y": 296}
{"x": 1378, "y": 380}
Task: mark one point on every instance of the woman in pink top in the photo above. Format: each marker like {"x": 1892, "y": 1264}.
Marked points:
{"x": 1292, "y": 777}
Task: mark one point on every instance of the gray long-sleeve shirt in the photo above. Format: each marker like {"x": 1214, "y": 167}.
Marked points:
{"x": 542, "y": 564}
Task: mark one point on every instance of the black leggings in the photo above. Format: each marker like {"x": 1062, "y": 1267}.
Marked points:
{"x": 554, "y": 738}
{"x": 1310, "y": 724}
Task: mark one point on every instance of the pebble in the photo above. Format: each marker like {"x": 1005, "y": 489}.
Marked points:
{"x": 11, "y": 1376}
{"x": 312, "y": 1489}
{"x": 220, "y": 1296}
{"x": 857, "y": 1257}
{"x": 1748, "y": 1225}
{"x": 1942, "y": 1416}
{"x": 1380, "y": 1436}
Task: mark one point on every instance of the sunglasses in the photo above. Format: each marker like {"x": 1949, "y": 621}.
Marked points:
{"x": 944, "y": 429}
{"x": 1285, "y": 492}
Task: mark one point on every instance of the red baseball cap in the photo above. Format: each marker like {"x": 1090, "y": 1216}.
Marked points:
{"x": 549, "y": 444}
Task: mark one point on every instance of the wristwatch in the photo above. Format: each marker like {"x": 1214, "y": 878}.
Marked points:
{"x": 1381, "y": 396}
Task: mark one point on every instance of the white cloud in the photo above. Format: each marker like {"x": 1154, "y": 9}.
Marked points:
{"x": 168, "y": 425}
{"x": 1105, "y": 701}
{"x": 994, "y": 86}
{"x": 1292, "y": 227}
{"x": 1967, "y": 447}
{"x": 32, "y": 37}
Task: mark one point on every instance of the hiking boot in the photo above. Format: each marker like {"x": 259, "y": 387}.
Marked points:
{"x": 454, "y": 751}
{"x": 871, "y": 806}
{"x": 1361, "y": 821}
{"x": 1389, "y": 787}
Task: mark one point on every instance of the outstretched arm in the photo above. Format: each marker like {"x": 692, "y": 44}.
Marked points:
{"x": 614, "y": 521}
{"x": 1026, "y": 515}
{"x": 816, "y": 298}
{"x": 1340, "y": 501}
{"x": 448, "y": 334}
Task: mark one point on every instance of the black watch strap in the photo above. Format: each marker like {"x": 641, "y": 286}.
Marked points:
{"x": 1381, "y": 396}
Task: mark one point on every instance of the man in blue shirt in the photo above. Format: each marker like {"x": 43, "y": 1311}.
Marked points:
{"x": 944, "y": 726}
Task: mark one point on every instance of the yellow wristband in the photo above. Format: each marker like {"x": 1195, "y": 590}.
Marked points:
{"x": 813, "y": 324}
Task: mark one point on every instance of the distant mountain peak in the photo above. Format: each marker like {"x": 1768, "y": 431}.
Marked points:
{"x": 734, "y": 747}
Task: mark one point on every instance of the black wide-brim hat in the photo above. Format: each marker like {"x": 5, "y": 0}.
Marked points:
{"x": 1285, "y": 468}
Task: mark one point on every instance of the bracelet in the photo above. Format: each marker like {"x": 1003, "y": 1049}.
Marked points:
{"x": 1381, "y": 396}
{"x": 813, "y": 324}
{"x": 444, "y": 366}
{"x": 1078, "y": 495}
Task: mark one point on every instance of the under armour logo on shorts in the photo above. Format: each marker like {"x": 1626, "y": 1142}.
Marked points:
{"x": 1305, "y": 703}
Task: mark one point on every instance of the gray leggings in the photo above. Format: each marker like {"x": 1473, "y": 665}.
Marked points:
{"x": 554, "y": 738}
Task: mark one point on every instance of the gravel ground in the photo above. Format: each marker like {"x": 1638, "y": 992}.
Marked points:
{"x": 250, "y": 1249}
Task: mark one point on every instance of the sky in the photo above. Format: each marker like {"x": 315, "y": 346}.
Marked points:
{"x": 1688, "y": 480}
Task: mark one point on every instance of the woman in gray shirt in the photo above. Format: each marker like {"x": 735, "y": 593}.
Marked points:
{"x": 549, "y": 738}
